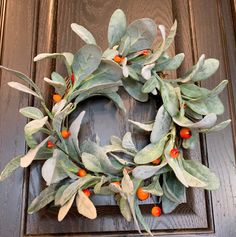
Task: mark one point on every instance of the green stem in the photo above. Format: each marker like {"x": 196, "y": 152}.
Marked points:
{"x": 47, "y": 110}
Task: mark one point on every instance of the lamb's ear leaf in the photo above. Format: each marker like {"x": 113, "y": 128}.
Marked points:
{"x": 171, "y": 36}
{"x": 91, "y": 162}
{"x": 52, "y": 172}
{"x": 161, "y": 125}
{"x": 134, "y": 88}
{"x": 22, "y": 77}
{"x": 143, "y": 172}
{"x": 29, "y": 157}
{"x": 128, "y": 143}
{"x": 150, "y": 85}
{"x": 202, "y": 173}
{"x": 140, "y": 34}
{"x": 116, "y": 28}
{"x": 217, "y": 127}
{"x": 141, "y": 218}
{"x": 146, "y": 127}
{"x": 85, "y": 62}
{"x": 74, "y": 130}
{"x": 65, "y": 209}
{"x": 33, "y": 127}
{"x": 150, "y": 152}
{"x": 68, "y": 57}
{"x": 44, "y": 198}
{"x": 31, "y": 112}
{"x": 154, "y": 187}
{"x": 209, "y": 67}
{"x": 170, "y": 98}
{"x": 85, "y": 206}
{"x": 83, "y": 33}
{"x": 173, "y": 188}
{"x": 59, "y": 87}
{"x": 59, "y": 193}
{"x": 10, "y": 168}
{"x": 175, "y": 164}
{"x": 170, "y": 64}
{"x": 23, "y": 88}
{"x": 167, "y": 205}
{"x": 125, "y": 209}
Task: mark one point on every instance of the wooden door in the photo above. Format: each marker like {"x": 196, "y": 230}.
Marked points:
{"x": 29, "y": 27}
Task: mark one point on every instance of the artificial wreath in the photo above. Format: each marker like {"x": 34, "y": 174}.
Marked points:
{"x": 74, "y": 170}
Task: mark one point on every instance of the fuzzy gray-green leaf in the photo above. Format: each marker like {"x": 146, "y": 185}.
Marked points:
{"x": 116, "y": 28}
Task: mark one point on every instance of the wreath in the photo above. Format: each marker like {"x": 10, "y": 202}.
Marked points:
{"x": 74, "y": 170}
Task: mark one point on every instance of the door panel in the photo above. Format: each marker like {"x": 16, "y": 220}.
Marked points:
{"x": 31, "y": 27}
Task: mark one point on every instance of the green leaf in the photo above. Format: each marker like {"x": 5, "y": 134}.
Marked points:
{"x": 31, "y": 112}
{"x": 150, "y": 152}
{"x": 141, "y": 34}
{"x": 52, "y": 172}
{"x": 116, "y": 28}
{"x": 209, "y": 67}
{"x": 170, "y": 63}
{"x": 154, "y": 187}
{"x": 65, "y": 209}
{"x": 141, "y": 218}
{"x": 29, "y": 157}
{"x": 202, "y": 173}
{"x": 134, "y": 89}
{"x": 161, "y": 125}
{"x": 44, "y": 198}
{"x": 23, "y": 77}
{"x": 173, "y": 188}
{"x": 127, "y": 184}
{"x": 10, "y": 168}
{"x": 150, "y": 85}
{"x": 59, "y": 87}
{"x": 124, "y": 209}
{"x": 147, "y": 127}
{"x": 83, "y": 33}
{"x": 60, "y": 116}
{"x": 175, "y": 164}
{"x": 170, "y": 98}
{"x": 171, "y": 36}
{"x": 91, "y": 163}
{"x": 167, "y": 205}
{"x": 85, "y": 62}
{"x": 23, "y": 88}
{"x": 33, "y": 127}
{"x": 85, "y": 206}
{"x": 94, "y": 149}
{"x": 128, "y": 144}
{"x": 193, "y": 91}
{"x": 217, "y": 127}
{"x": 74, "y": 130}
{"x": 146, "y": 171}
{"x": 207, "y": 122}
{"x": 59, "y": 194}
{"x": 207, "y": 106}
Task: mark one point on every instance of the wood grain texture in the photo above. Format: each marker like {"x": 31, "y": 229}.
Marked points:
{"x": 16, "y": 52}
{"x": 203, "y": 27}
{"x": 190, "y": 216}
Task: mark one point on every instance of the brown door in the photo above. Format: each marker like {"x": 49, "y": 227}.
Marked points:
{"x": 29, "y": 27}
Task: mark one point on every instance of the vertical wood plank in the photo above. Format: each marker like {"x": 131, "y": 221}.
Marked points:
{"x": 17, "y": 46}
{"x": 220, "y": 146}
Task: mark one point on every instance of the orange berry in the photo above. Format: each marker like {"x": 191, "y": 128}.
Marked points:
{"x": 81, "y": 173}
{"x": 116, "y": 183}
{"x": 142, "y": 195}
{"x": 65, "y": 134}
{"x": 185, "y": 133}
{"x": 145, "y": 52}
{"x": 50, "y": 144}
{"x": 118, "y": 59}
{"x": 174, "y": 152}
{"x": 157, "y": 161}
{"x": 156, "y": 211}
{"x": 86, "y": 192}
{"x": 72, "y": 77}
{"x": 56, "y": 98}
